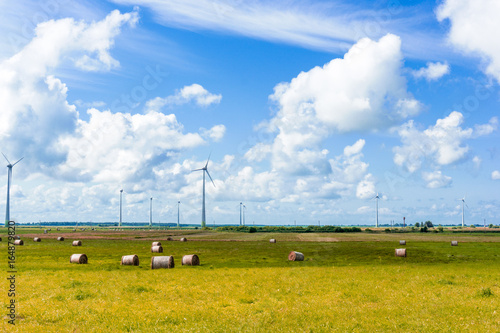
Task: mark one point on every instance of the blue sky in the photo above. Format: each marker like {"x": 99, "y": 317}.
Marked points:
{"x": 308, "y": 108}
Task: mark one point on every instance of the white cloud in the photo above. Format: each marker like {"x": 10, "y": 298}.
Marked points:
{"x": 366, "y": 188}
{"x": 34, "y": 101}
{"x": 364, "y": 91}
{"x": 495, "y": 175}
{"x": 474, "y": 29}
{"x": 193, "y": 93}
{"x": 355, "y": 148}
{"x": 216, "y": 133}
{"x": 436, "y": 179}
{"x": 477, "y": 161}
{"x": 442, "y": 144}
{"x": 433, "y": 71}
{"x": 118, "y": 147}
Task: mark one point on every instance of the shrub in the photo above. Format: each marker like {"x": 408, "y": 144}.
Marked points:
{"x": 485, "y": 292}
{"x": 472, "y": 226}
{"x": 387, "y": 230}
{"x": 368, "y": 230}
{"x": 440, "y": 229}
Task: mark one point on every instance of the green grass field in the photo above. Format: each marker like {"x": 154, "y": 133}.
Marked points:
{"x": 348, "y": 282}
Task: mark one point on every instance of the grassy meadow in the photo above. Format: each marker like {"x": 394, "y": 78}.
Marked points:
{"x": 348, "y": 282}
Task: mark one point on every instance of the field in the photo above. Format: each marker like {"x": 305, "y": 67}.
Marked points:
{"x": 348, "y": 282}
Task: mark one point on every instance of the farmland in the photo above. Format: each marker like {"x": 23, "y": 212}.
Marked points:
{"x": 347, "y": 282}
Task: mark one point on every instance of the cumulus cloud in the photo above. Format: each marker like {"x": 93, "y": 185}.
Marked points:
{"x": 193, "y": 93}
{"x": 363, "y": 91}
{"x": 433, "y": 71}
{"x": 216, "y": 133}
{"x": 35, "y": 111}
{"x": 495, "y": 175}
{"x": 442, "y": 143}
{"x": 436, "y": 179}
{"x": 366, "y": 188}
{"x": 114, "y": 147}
{"x": 474, "y": 27}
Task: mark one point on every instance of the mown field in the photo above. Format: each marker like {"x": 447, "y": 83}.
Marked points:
{"x": 348, "y": 282}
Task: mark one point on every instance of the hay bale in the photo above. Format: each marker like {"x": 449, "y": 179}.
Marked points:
{"x": 45, "y": 231}
{"x": 295, "y": 256}
{"x": 50, "y": 229}
{"x": 402, "y": 242}
{"x": 157, "y": 249}
{"x": 132, "y": 259}
{"x": 18, "y": 242}
{"x": 191, "y": 260}
{"x": 162, "y": 262}
{"x": 0, "y": 239}
{"x": 183, "y": 239}
{"x": 454, "y": 243}
{"x": 77, "y": 243}
{"x": 272, "y": 240}
{"x": 74, "y": 229}
{"x": 37, "y": 239}
{"x": 170, "y": 239}
{"x": 58, "y": 229}
{"x": 156, "y": 244}
{"x": 78, "y": 259}
{"x": 400, "y": 252}
{"x": 60, "y": 239}
{"x": 17, "y": 237}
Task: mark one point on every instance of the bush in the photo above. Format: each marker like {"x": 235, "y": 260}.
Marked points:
{"x": 440, "y": 229}
{"x": 472, "y": 226}
{"x": 387, "y": 230}
{"x": 368, "y": 230}
{"x": 252, "y": 230}
{"x": 417, "y": 225}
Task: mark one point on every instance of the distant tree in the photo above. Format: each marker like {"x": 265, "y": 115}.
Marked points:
{"x": 417, "y": 225}
{"x": 472, "y": 226}
{"x": 429, "y": 224}
{"x": 491, "y": 225}
{"x": 440, "y": 228}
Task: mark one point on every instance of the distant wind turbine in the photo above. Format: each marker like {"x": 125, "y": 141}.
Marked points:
{"x": 244, "y": 209}
{"x": 241, "y": 205}
{"x": 376, "y": 197}
{"x": 178, "y": 214}
{"x": 120, "y": 223}
{"x": 9, "y": 179}
{"x": 151, "y": 212}
{"x": 463, "y": 211}
{"x": 204, "y": 169}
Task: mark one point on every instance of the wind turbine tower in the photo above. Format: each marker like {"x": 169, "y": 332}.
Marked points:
{"x": 463, "y": 211}
{"x": 150, "y": 212}
{"x": 121, "y": 193}
{"x": 178, "y": 214}
{"x": 241, "y": 204}
{"x": 376, "y": 197}
{"x": 9, "y": 179}
{"x": 204, "y": 169}
{"x": 244, "y": 209}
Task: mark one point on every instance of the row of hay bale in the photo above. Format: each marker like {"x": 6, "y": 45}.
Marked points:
{"x": 133, "y": 260}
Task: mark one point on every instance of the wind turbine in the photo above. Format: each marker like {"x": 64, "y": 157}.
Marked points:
{"x": 244, "y": 209}
{"x": 120, "y": 223}
{"x": 178, "y": 214}
{"x": 241, "y": 205}
{"x": 376, "y": 197}
{"x": 150, "y": 212}
{"x": 463, "y": 211}
{"x": 9, "y": 178}
{"x": 204, "y": 169}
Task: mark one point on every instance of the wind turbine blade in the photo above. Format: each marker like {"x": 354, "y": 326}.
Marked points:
{"x": 18, "y": 161}
{"x": 197, "y": 170}
{"x": 6, "y": 158}
{"x": 208, "y": 159}
{"x": 210, "y": 177}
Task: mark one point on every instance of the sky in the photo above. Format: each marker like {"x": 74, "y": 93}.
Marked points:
{"x": 307, "y": 110}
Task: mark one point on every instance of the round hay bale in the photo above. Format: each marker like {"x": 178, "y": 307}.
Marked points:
{"x": 78, "y": 259}
{"x": 454, "y": 243}
{"x": 74, "y": 229}
{"x": 191, "y": 260}
{"x": 50, "y": 229}
{"x": 170, "y": 239}
{"x": 402, "y": 242}
{"x": 17, "y": 237}
{"x": 60, "y": 239}
{"x": 162, "y": 262}
{"x": 45, "y": 231}
{"x": 157, "y": 249}
{"x": 295, "y": 256}
{"x": 272, "y": 240}
{"x": 18, "y": 242}
{"x": 400, "y": 252}
{"x": 132, "y": 259}
{"x": 183, "y": 239}
{"x": 0, "y": 239}
{"x": 156, "y": 244}
{"x": 37, "y": 239}
{"x": 77, "y": 243}
{"x": 58, "y": 229}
